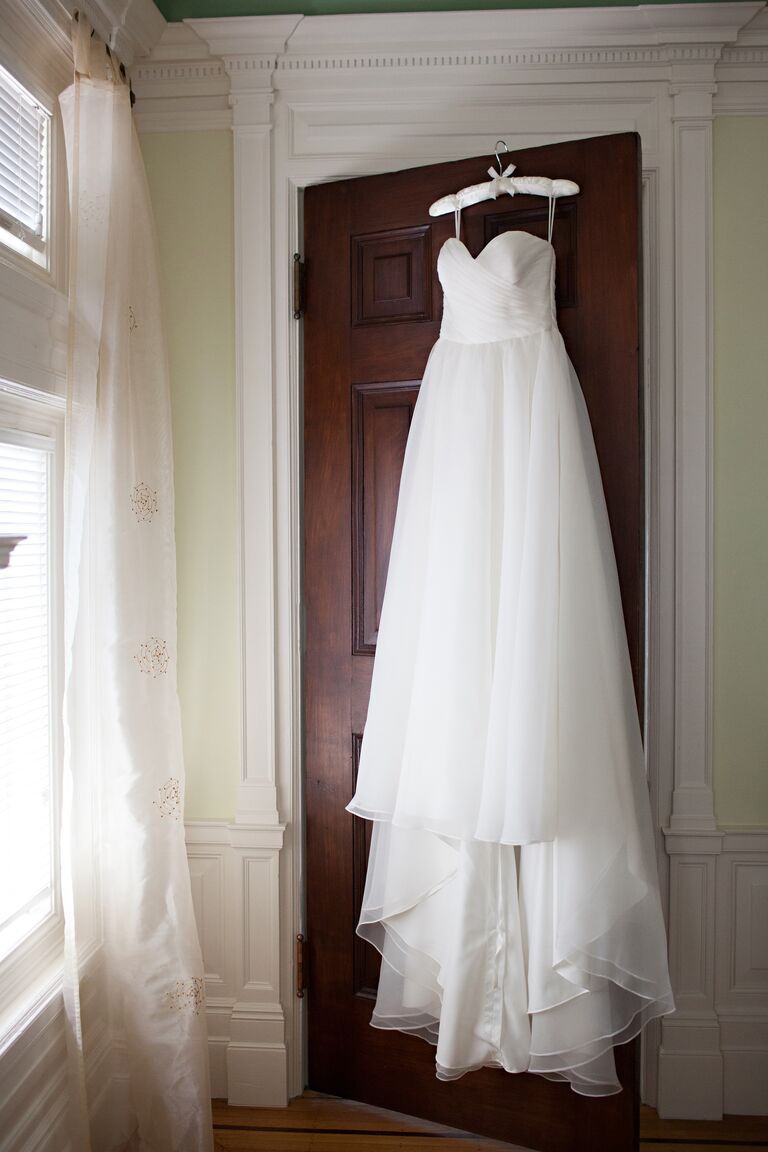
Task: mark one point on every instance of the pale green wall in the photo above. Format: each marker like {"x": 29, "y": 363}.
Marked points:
{"x": 741, "y": 470}
{"x": 190, "y": 180}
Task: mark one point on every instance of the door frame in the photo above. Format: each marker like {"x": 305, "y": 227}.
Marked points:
{"x": 292, "y": 173}
{"x": 299, "y": 96}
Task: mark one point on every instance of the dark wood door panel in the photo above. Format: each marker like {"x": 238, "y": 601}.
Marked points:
{"x": 392, "y": 276}
{"x": 381, "y": 419}
{"x": 374, "y": 307}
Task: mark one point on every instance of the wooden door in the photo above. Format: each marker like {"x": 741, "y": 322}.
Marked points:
{"x": 373, "y": 313}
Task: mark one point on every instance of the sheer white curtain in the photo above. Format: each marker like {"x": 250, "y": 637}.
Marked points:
{"x": 134, "y": 978}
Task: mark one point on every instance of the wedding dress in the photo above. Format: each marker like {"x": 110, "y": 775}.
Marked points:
{"x": 512, "y": 887}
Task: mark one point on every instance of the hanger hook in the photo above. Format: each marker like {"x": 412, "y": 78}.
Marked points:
{"x": 496, "y": 149}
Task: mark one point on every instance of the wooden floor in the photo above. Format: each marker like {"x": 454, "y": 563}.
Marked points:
{"x": 316, "y": 1123}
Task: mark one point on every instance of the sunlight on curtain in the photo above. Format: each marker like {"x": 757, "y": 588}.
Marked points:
{"x": 134, "y": 986}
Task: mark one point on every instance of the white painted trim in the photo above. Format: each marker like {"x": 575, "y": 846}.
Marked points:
{"x": 33, "y": 329}
{"x": 257, "y": 799}
{"x": 693, "y": 802}
{"x": 180, "y": 87}
{"x": 714, "y": 1053}
{"x": 356, "y": 95}
{"x": 183, "y": 87}
{"x": 235, "y": 891}
{"x": 132, "y": 28}
{"x": 423, "y": 34}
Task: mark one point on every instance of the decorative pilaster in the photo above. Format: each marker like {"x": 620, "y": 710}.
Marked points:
{"x": 249, "y": 60}
{"x": 690, "y": 1060}
{"x": 256, "y": 1052}
{"x": 257, "y": 797}
{"x": 693, "y": 808}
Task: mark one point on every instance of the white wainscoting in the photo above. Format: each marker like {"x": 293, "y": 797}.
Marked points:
{"x": 714, "y": 1050}
{"x": 741, "y": 968}
{"x": 235, "y": 890}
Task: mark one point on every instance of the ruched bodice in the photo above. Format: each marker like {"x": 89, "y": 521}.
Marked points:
{"x": 505, "y": 292}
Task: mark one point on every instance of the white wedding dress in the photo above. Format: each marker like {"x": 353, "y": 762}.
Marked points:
{"x": 512, "y": 886}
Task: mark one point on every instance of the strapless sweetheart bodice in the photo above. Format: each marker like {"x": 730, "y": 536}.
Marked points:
{"x": 505, "y": 292}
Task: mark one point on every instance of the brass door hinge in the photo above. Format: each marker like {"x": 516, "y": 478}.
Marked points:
{"x": 301, "y": 965}
{"x": 299, "y": 269}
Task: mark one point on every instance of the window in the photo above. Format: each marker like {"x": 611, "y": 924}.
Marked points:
{"x": 31, "y": 487}
{"x": 25, "y": 129}
{"x": 26, "y": 894}
{"x": 34, "y": 68}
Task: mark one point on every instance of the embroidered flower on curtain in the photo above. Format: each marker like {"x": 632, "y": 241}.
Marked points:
{"x": 144, "y": 501}
{"x": 169, "y": 798}
{"x": 187, "y": 995}
{"x": 132, "y": 321}
{"x": 153, "y": 657}
{"x": 93, "y": 209}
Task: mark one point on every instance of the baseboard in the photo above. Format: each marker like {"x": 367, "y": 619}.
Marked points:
{"x": 744, "y": 1044}
{"x": 690, "y": 1070}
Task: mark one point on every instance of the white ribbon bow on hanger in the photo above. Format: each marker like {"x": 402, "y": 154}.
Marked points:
{"x": 500, "y": 182}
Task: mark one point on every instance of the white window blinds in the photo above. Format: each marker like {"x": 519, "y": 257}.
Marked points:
{"x": 26, "y": 835}
{"x": 24, "y": 131}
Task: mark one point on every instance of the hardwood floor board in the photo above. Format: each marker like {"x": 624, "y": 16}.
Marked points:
{"x": 276, "y": 1141}
{"x": 314, "y": 1122}
{"x": 313, "y": 1111}
{"x": 700, "y": 1146}
{"x": 730, "y": 1130}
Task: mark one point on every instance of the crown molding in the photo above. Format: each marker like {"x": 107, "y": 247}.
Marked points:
{"x": 182, "y": 65}
{"x": 200, "y": 67}
{"x": 454, "y": 32}
{"x": 132, "y": 28}
{"x": 459, "y": 35}
{"x": 756, "y": 31}
{"x": 181, "y": 87}
{"x": 527, "y": 39}
{"x": 247, "y": 35}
